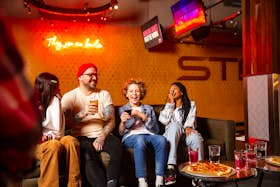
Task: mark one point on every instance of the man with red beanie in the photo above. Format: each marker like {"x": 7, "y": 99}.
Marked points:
{"x": 89, "y": 112}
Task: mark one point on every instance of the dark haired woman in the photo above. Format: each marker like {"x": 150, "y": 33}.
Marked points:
{"x": 179, "y": 116}
{"x": 139, "y": 128}
{"x": 53, "y": 139}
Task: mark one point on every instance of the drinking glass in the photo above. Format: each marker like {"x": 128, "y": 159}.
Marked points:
{"x": 261, "y": 149}
{"x": 193, "y": 155}
{"x": 214, "y": 153}
{"x": 251, "y": 155}
{"x": 240, "y": 159}
{"x": 94, "y": 102}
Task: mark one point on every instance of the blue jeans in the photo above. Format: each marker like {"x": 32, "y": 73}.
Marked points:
{"x": 139, "y": 144}
{"x": 173, "y": 133}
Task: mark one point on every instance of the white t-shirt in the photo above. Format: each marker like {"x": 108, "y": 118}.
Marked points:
{"x": 54, "y": 123}
{"x": 76, "y": 101}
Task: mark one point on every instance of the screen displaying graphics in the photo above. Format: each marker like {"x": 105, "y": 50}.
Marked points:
{"x": 187, "y": 15}
{"x": 151, "y": 32}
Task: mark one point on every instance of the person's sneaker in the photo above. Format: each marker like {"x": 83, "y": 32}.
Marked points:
{"x": 196, "y": 182}
{"x": 112, "y": 183}
{"x": 170, "y": 177}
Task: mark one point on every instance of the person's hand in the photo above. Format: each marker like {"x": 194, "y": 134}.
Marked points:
{"x": 189, "y": 130}
{"x": 99, "y": 143}
{"x": 92, "y": 109}
{"x": 44, "y": 138}
{"x": 125, "y": 116}
{"x": 47, "y": 137}
{"x": 139, "y": 114}
{"x": 135, "y": 113}
{"x": 170, "y": 97}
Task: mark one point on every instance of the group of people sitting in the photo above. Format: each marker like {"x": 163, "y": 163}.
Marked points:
{"x": 92, "y": 123}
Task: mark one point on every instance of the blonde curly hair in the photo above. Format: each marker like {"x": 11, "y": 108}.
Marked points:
{"x": 138, "y": 82}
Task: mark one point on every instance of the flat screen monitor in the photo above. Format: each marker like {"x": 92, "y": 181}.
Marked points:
{"x": 152, "y": 33}
{"x": 187, "y": 15}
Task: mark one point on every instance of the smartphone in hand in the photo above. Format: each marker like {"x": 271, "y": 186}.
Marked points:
{"x": 128, "y": 111}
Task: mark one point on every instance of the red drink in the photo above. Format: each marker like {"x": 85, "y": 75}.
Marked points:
{"x": 252, "y": 163}
{"x": 251, "y": 158}
{"x": 193, "y": 156}
{"x": 240, "y": 159}
{"x": 251, "y": 155}
{"x": 240, "y": 163}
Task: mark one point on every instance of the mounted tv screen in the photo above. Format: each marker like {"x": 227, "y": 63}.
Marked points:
{"x": 152, "y": 33}
{"x": 187, "y": 15}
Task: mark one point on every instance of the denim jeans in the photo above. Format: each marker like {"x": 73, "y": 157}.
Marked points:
{"x": 139, "y": 143}
{"x": 173, "y": 133}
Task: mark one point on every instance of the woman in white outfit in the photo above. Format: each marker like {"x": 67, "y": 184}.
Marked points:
{"x": 179, "y": 117}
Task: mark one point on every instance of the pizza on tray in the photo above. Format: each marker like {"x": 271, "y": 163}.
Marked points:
{"x": 273, "y": 160}
{"x": 276, "y": 160}
{"x": 209, "y": 169}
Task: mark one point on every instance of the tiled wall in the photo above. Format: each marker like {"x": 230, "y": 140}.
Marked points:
{"x": 123, "y": 56}
{"x": 258, "y": 107}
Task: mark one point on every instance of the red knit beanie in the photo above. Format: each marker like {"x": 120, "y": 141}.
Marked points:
{"x": 84, "y": 67}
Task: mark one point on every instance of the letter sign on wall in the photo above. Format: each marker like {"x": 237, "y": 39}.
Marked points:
{"x": 204, "y": 69}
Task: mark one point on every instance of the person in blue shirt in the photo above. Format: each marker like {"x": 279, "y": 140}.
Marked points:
{"x": 139, "y": 128}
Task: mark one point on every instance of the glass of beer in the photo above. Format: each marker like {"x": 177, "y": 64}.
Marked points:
{"x": 94, "y": 102}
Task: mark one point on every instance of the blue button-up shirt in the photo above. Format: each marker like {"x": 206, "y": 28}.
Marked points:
{"x": 151, "y": 124}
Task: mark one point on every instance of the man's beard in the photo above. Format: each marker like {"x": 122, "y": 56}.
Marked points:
{"x": 91, "y": 85}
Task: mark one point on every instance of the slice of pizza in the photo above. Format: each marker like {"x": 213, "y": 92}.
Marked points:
{"x": 222, "y": 170}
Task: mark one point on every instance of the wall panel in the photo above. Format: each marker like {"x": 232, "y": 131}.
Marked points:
{"x": 124, "y": 56}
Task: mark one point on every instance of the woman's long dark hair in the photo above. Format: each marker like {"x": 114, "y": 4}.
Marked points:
{"x": 46, "y": 86}
{"x": 186, "y": 101}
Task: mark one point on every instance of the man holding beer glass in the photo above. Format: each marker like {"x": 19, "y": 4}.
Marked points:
{"x": 90, "y": 113}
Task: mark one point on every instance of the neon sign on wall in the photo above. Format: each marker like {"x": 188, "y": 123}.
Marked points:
{"x": 58, "y": 45}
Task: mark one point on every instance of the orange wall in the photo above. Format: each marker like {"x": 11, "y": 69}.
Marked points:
{"x": 123, "y": 56}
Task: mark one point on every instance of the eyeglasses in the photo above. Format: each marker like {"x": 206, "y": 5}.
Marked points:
{"x": 91, "y": 74}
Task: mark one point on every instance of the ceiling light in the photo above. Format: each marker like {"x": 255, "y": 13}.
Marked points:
{"x": 86, "y": 10}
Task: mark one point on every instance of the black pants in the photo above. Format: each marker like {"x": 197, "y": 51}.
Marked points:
{"x": 91, "y": 165}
